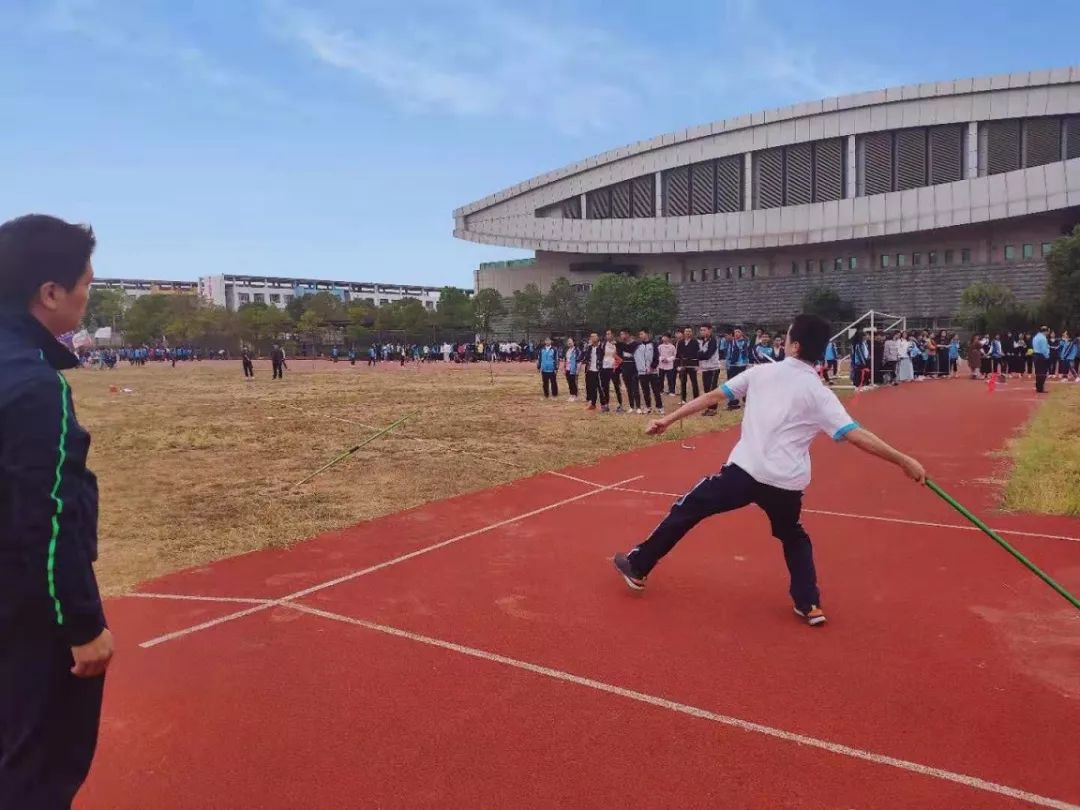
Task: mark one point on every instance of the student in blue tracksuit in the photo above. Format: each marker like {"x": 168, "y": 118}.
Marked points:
{"x": 547, "y": 361}
{"x": 860, "y": 359}
{"x": 1070, "y": 350}
{"x": 737, "y": 359}
{"x": 831, "y": 360}
{"x": 997, "y": 357}
{"x": 954, "y": 355}
{"x": 571, "y": 368}
{"x": 54, "y": 643}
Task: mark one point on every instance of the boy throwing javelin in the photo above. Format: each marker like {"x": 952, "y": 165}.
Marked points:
{"x": 770, "y": 464}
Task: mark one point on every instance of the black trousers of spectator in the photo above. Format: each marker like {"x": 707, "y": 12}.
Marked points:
{"x": 249, "y": 370}
{"x": 943, "y": 361}
{"x": 607, "y": 377}
{"x": 279, "y": 371}
{"x": 651, "y": 387}
{"x": 593, "y": 389}
{"x": 48, "y": 718}
{"x": 732, "y": 372}
{"x": 690, "y": 372}
{"x": 669, "y": 380}
{"x": 1042, "y": 365}
{"x": 551, "y": 383}
{"x": 709, "y": 379}
{"x": 734, "y": 488}
{"x": 630, "y": 375}
{"x": 571, "y": 383}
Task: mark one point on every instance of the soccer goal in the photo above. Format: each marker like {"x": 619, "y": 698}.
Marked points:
{"x": 871, "y": 323}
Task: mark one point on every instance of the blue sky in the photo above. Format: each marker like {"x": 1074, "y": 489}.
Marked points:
{"x": 333, "y": 138}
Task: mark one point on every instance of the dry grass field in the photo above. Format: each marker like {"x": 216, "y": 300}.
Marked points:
{"x": 196, "y": 464}
{"x": 1046, "y": 459}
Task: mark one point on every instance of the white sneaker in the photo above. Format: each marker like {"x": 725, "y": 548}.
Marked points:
{"x": 659, "y": 411}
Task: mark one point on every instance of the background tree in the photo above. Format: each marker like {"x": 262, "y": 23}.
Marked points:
{"x": 147, "y": 319}
{"x": 488, "y": 305}
{"x": 454, "y": 312}
{"x": 105, "y": 308}
{"x": 295, "y": 307}
{"x": 326, "y": 306}
{"x": 654, "y": 304}
{"x": 562, "y": 308}
{"x": 988, "y": 307}
{"x": 827, "y": 303}
{"x": 610, "y": 304}
{"x": 1062, "y": 301}
{"x": 526, "y": 309}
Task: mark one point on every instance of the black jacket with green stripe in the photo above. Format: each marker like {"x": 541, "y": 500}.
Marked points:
{"x": 48, "y": 498}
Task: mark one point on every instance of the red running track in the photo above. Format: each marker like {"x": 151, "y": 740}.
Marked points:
{"x": 481, "y": 653}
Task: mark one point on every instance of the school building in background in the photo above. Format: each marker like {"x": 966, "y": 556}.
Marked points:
{"x": 897, "y": 199}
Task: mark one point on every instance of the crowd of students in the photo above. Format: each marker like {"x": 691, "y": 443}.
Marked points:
{"x": 649, "y": 369}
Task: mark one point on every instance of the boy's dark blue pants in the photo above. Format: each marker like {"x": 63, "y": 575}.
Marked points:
{"x": 48, "y": 718}
{"x": 733, "y": 488}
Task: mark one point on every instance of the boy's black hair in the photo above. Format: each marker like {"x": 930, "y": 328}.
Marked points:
{"x": 811, "y": 332}
{"x": 645, "y": 329}
{"x": 705, "y": 326}
{"x": 36, "y": 249}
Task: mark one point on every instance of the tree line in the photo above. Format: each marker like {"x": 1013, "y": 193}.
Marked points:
{"x": 323, "y": 319}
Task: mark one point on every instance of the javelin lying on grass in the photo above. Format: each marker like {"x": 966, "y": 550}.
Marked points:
{"x": 997, "y": 539}
{"x": 352, "y": 450}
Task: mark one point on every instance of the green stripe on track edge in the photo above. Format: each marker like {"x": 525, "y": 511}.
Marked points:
{"x": 55, "y": 495}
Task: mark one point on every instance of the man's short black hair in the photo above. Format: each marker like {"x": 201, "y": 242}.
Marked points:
{"x": 645, "y": 329}
{"x": 36, "y": 249}
{"x": 706, "y": 326}
{"x": 811, "y": 332}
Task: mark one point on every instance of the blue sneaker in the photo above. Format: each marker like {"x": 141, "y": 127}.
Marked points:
{"x": 634, "y": 580}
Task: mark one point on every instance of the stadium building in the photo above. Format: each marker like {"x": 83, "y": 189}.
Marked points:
{"x": 897, "y": 199}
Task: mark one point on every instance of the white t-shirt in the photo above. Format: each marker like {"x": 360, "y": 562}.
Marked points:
{"x": 786, "y": 407}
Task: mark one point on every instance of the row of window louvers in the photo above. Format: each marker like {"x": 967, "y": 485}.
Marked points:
{"x": 816, "y": 172}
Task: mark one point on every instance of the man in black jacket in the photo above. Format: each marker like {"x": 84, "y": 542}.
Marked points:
{"x": 686, "y": 359}
{"x": 627, "y": 347}
{"x": 54, "y": 643}
{"x": 277, "y": 362}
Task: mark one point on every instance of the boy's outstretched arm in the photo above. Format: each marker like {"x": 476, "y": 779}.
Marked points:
{"x": 870, "y": 443}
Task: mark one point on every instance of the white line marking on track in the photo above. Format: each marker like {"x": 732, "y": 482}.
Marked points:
{"x": 851, "y": 515}
{"x": 372, "y": 569}
{"x": 192, "y": 598}
{"x": 973, "y": 782}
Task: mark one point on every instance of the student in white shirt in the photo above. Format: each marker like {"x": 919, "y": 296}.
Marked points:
{"x": 770, "y": 465}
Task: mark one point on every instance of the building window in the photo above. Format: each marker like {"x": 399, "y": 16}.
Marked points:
{"x": 838, "y": 264}
{"x": 916, "y": 259}
{"x": 931, "y": 257}
{"x": 667, "y": 277}
{"x": 742, "y": 270}
{"x": 852, "y": 263}
{"x": 259, "y": 298}
{"x": 794, "y": 268}
{"x": 383, "y": 302}
{"x": 886, "y": 260}
{"x": 288, "y": 298}
{"x": 1029, "y": 251}
{"x": 370, "y": 301}
{"x": 728, "y": 272}
{"x": 1010, "y": 252}
{"x": 948, "y": 257}
{"x": 245, "y": 298}
{"x": 1047, "y": 247}
{"x": 965, "y": 256}
{"x": 275, "y": 298}
{"x": 429, "y": 305}
{"x": 901, "y": 260}
{"x": 716, "y": 274}
{"x": 809, "y": 266}
{"x": 693, "y": 275}
{"x": 753, "y": 271}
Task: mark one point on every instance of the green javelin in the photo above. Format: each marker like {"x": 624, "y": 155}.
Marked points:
{"x": 352, "y": 450}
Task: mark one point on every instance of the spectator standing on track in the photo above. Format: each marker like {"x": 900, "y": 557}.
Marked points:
{"x": 709, "y": 361}
{"x": 860, "y": 359}
{"x": 1070, "y": 351}
{"x": 570, "y": 364}
{"x": 667, "y": 364}
{"x": 277, "y": 362}
{"x": 770, "y": 465}
{"x": 891, "y": 359}
{"x": 905, "y": 371}
{"x": 686, "y": 358}
{"x": 593, "y": 360}
{"x": 1040, "y": 346}
{"x": 54, "y": 642}
{"x": 974, "y": 357}
{"x": 1055, "y": 355}
{"x": 628, "y": 369}
{"x": 647, "y": 363}
{"x": 547, "y": 362}
{"x": 832, "y": 361}
{"x": 245, "y": 361}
